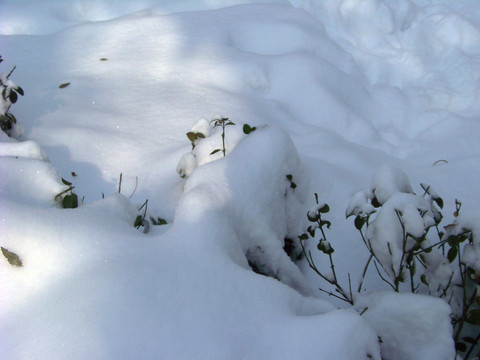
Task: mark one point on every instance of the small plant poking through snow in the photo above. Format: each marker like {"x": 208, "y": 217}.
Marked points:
{"x": 395, "y": 225}
{"x": 222, "y": 123}
{"x": 67, "y": 198}
{"x": 9, "y": 95}
{"x": 205, "y": 135}
{"x": 140, "y": 219}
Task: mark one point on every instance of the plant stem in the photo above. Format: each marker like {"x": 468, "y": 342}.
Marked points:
{"x": 381, "y": 277}
{"x": 364, "y": 272}
{"x": 477, "y": 339}
{"x": 223, "y": 138}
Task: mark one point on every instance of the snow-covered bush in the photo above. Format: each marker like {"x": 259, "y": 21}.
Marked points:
{"x": 9, "y": 95}
{"x": 445, "y": 264}
{"x": 261, "y": 216}
{"x": 395, "y": 225}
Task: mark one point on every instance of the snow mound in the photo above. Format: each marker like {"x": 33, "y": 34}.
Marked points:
{"x": 99, "y": 288}
{"x": 257, "y": 203}
{"x": 421, "y": 327}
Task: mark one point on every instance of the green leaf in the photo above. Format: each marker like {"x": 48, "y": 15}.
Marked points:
{"x": 423, "y": 279}
{"x": 439, "y": 202}
{"x": 413, "y": 268}
{"x": 19, "y": 90}
{"x": 303, "y": 237}
{"x": 230, "y": 123}
{"x": 191, "y": 136}
{"x": 311, "y": 230}
{"x": 359, "y": 222}
{"x": 215, "y": 151}
{"x": 324, "y": 209}
{"x": 200, "y": 135}
{"x": 460, "y": 346}
{"x": 325, "y": 222}
{"x": 159, "y": 221}
{"x": 12, "y": 258}
{"x": 453, "y": 240}
{"x": 68, "y": 183}
{"x": 64, "y": 85}
{"x": 325, "y": 247}
{"x": 473, "y": 317}
{"x": 13, "y": 97}
{"x": 138, "y": 221}
{"x": 70, "y": 201}
{"x": 375, "y": 202}
{"x": 290, "y": 177}
{"x": 247, "y": 129}
{"x": 313, "y": 218}
{"x": 452, "y": 254}
{"x": 103, "y": 59}
{"x": 12, "y": 118}
{"x": 293, "y": 185}
{"x": 469, "y": 340}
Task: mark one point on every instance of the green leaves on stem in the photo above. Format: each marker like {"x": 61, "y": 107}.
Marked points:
{"x": 67, "y": 198}
{"x": 318, "y": 223}
{"x": 223, "y": 123}
{"x": 194, "y": 136}
{"x": 9, "y": 96}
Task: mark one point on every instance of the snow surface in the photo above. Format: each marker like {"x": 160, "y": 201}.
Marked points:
{"x": 386, "y": 308}
{"x": 354, "y": 84}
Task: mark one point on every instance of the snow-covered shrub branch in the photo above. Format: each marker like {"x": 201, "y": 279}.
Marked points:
{"x": 395, "y": 226}
{"x": 315, "y": 216}
{"x": 261, "y": 217}
{"x": 9, "y": 95}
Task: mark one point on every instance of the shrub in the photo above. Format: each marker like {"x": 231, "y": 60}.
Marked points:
{"x": 409, "y": 249}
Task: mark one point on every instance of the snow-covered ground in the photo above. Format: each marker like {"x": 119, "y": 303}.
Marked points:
{"x": 336, "y": 89}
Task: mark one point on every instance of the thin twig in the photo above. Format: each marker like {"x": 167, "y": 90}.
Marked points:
{"x": 364, "y": 273}
{"x": 120, "y": 184}
{"x": 11, "y": 71}
{"x": 364, "y": 311}
{"x": 381, "y": 276}
{"x": 65, "y": 191}
{"x": 475, "y": 342}
{"x": 335, "y": 296}
{"x": 135, "y": 189}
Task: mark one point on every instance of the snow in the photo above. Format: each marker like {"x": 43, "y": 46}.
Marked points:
{"x": 266, "y": 156}
{"x": 417, "y": 333}
{"x": 389, "y": 180}
{"x": 398, "y": 217}
{"x": 339, "y": 91}
{"x": 360, "y": 205}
